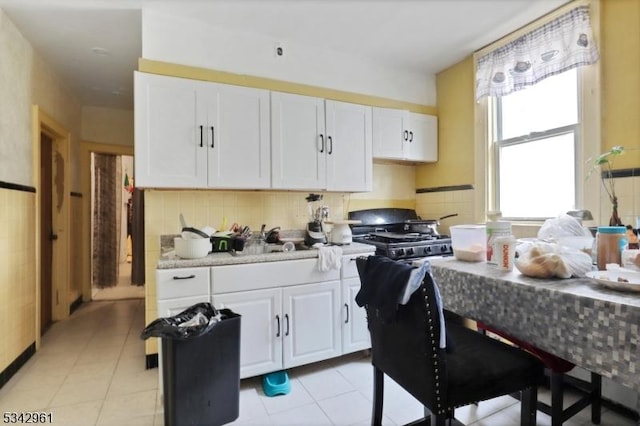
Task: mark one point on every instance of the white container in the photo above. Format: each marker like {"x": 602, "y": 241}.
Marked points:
{"x": 504, "y": 252}
{"x": 468, "y": 242}
{"x": 191, "y": 248}
{"x": 495, "y": 228}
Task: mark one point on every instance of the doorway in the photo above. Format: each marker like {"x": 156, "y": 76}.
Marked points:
{"x": 112, "y": 184}
{"x": 47, "y": 234}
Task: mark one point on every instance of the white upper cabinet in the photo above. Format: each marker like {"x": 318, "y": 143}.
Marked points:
{"x": 298, "y": 142}
{"x": 404, "y": 135}
{"x": 167, "y": 152}
{"x": 320, "y": 144}
{"x": 195, "y": 134}
{"x": 349, "y": 147}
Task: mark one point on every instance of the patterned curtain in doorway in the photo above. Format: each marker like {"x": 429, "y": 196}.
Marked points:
{"x": 106, "y": 221}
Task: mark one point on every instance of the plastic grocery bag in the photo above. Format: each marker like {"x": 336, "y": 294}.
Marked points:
{"x": 562, "y": 226}
{"x": 549, "y": 260}
{"x": 193, "y": 322}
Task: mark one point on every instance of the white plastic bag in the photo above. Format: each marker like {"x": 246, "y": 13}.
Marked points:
{"x": 562, "y": 226}
{"x": 549, "y": 260}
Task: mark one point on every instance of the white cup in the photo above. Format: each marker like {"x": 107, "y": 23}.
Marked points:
{"x": 504, "y": 250}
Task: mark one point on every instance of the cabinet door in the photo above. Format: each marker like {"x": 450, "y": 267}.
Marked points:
{"x": 298, "y": 142}
{"x": 355, "y": 332}
{"x": 423, "y": 138}
{"x": 349, "y": 160}
{"x": 237, "y": 135}
{"x": 168, "y": 151}
{"x": 389, "y": 132}
{"x": 311, "y": 325}
{"x": 261, "y": 328}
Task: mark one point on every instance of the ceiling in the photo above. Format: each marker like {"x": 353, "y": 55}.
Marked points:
{"x": 94, "y": 45}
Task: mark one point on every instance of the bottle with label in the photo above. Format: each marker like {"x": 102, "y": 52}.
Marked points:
{"x": 495, "y": 228}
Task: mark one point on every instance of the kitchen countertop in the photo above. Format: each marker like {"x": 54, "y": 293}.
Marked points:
{"x": 170, "y": 261}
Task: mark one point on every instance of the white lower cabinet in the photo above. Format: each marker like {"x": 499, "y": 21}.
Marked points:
{"x": 355, "y": 332}
{"x": 285, "y": 327}
{"x": 260, "y": 328}
{"x": 292, "y": 314}
{"x": 311, "y": 329}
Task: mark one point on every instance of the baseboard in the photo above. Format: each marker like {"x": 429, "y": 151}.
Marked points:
{"x": 13, "y": 368}
{"x": 75, "y": 305}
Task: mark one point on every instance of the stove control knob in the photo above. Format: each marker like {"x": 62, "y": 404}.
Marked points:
{"x": 400, "y": 252}
{"x": 392, "y": 254}
{"x": 409, "y": 252}
{"x": 427, "y": 250}
{"x": 443, "y": 248}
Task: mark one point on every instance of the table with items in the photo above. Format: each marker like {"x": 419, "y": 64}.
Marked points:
{"x": 577, "y": 319}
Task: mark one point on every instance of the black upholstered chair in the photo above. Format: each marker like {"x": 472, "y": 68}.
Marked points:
{"x": 590, "y": 391}
{"x": 472, "y": 368}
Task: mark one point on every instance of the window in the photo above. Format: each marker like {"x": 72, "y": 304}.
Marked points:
{"x": 534, "y": 141}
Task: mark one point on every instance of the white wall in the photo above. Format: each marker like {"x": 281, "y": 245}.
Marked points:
{"x": 171, "y": 38}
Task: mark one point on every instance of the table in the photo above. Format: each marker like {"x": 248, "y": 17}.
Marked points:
{"x": 576, "y": 319}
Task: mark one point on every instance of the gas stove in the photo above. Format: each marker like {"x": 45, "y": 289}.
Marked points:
{"x": 383, "y": 228}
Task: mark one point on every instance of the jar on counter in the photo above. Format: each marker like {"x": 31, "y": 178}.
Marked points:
{"x": 611, "y": 240}
{"x": 495, "y": 228}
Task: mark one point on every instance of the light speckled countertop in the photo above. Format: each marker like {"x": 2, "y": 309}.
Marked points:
{"x": 170, "y": 261}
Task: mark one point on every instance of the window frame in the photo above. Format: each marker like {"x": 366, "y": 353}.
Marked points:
{"x": 588, "y": 140}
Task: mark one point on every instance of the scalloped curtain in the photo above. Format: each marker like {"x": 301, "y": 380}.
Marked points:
{"x": 557, "y": 46}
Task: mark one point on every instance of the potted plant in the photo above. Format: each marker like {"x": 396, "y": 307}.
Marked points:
{"x": 604, "y": 164}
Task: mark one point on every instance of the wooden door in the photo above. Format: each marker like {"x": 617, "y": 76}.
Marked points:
{"x": 47, "y": 231}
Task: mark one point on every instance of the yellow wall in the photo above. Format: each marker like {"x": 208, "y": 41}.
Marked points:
{"x": 455, "y": 87}
{"x": 620, "y": 61}
{"x": 17, "y": 273}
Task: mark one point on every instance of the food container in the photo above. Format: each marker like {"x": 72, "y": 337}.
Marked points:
{"x": 611, "y": 240}
{"x": 469, "y": 242}
{"x": 191, "y": 248}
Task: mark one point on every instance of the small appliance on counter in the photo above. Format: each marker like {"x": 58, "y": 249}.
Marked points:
{"x": 341, "y": 231}
{"x": 315, "y": 232}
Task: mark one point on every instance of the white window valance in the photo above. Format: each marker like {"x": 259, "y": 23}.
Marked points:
{"x": 557, "y": 46}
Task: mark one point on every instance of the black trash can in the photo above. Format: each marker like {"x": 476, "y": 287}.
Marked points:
{"x": 200, "y": 367}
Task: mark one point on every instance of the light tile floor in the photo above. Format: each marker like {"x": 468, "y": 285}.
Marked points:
{"x": 90, "y": 370}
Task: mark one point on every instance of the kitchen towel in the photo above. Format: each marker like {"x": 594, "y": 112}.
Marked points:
{"x": 329, "y": 258}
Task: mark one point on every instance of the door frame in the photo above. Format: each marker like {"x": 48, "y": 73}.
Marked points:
{"x": 86, "y": 149}
{"x": 61, "y": 200}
